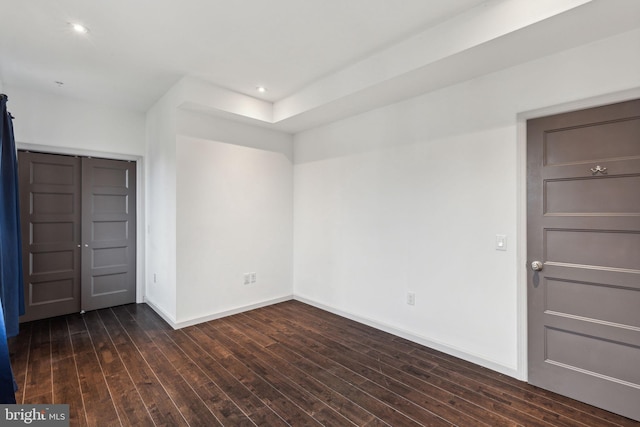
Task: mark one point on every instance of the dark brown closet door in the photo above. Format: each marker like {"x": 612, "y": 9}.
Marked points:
{"x": 50, "y": 217}
{"x": 78, "y": 229}
{"x": 108, "y": 233}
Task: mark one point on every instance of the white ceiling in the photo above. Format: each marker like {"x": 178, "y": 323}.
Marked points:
{"x": 321, "y": 59}
{"x": 137, "y": 49}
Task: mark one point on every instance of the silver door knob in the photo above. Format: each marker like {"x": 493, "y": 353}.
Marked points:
{"x": 536, "y": 266}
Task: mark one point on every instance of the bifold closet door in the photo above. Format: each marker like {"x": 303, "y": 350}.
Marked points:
{"x": 108, "y": 233}
{"x": 78, "y": 231}
{"x": 50, "y": 222}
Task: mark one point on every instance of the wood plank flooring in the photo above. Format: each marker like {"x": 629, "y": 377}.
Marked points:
{"x": 286, "y": 364}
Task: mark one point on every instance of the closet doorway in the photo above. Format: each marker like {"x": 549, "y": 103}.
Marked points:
{"x": 78, "y": 219}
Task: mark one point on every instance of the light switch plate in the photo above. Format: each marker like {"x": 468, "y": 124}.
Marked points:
{"x": 501, "y": 242}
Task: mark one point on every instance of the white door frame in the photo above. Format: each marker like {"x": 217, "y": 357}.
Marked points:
{"x": 140, "y": 235}
{"x": 521, "y": 251}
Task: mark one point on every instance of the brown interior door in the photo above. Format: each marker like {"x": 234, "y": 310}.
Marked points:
{"x": 50, "y": 218}
{"x": 108, "y": 233}
{"x": 78, "y": 226}
{"x": 584, "y": 228}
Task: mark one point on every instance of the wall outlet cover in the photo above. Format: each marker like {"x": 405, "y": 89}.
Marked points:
{"x": 411, "y": 298}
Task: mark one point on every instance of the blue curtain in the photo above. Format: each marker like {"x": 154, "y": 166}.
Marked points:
{"x": 11, "y": 281}
{"x": 8, "y": 384}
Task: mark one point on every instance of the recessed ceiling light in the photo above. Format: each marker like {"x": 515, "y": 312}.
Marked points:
{"x": 79, "y": 28}
{"x": 261, "y": 89}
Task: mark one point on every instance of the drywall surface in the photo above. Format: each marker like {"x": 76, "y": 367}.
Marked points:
{"x": 234, "y": 215}
{"x": 161, "y": 208}
{"x": 220, "y": 205}
{"x": 47, "y": 119}
{"x": 410, "y": 197}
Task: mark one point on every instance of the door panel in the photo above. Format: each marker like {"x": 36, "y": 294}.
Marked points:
{"x": 567, "y": 196}
{"x": 50, "y": 216}
{"x": 108, "y": 233}
{"x": 78, "y": 227}
{"x": 592, "y": 248}
{"x": 560, "y": 298}
{"x": 589, "y": 142}
{"x": 584, "y": 225}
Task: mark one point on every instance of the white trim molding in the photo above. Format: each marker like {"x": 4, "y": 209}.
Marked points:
{"x": 453, "y": 351}
{"x": 197, "y": 320}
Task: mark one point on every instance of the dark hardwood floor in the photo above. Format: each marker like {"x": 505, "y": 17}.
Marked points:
{"x": 287, "y": 364}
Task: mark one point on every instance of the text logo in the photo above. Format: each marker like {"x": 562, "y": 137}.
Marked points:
{"x": 34, "y": 415}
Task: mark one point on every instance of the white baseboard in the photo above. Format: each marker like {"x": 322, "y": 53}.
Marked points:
{"x": 196, "y": 320}
{"x": 469, "y": 357}
{"x": 165, "y": 316}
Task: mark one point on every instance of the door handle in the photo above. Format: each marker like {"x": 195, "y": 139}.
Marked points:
{"x": 537, "y": 265}
{"x": 602, "y": 170}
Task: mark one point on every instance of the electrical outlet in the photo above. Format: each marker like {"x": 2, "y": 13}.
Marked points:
{"x": 247, "y": 278}
{"x": 411, "y": 298}
{"x": 253, "y": 277}
{"x": 155, "y": 278}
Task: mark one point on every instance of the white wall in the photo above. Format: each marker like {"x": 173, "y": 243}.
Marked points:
{"x": 160, "y": 290}
{"x": 220, "y": 205}
{"x": 49, "y": 119}
{"x": 234, "y": 216}
{"x": 409, "y": 198}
